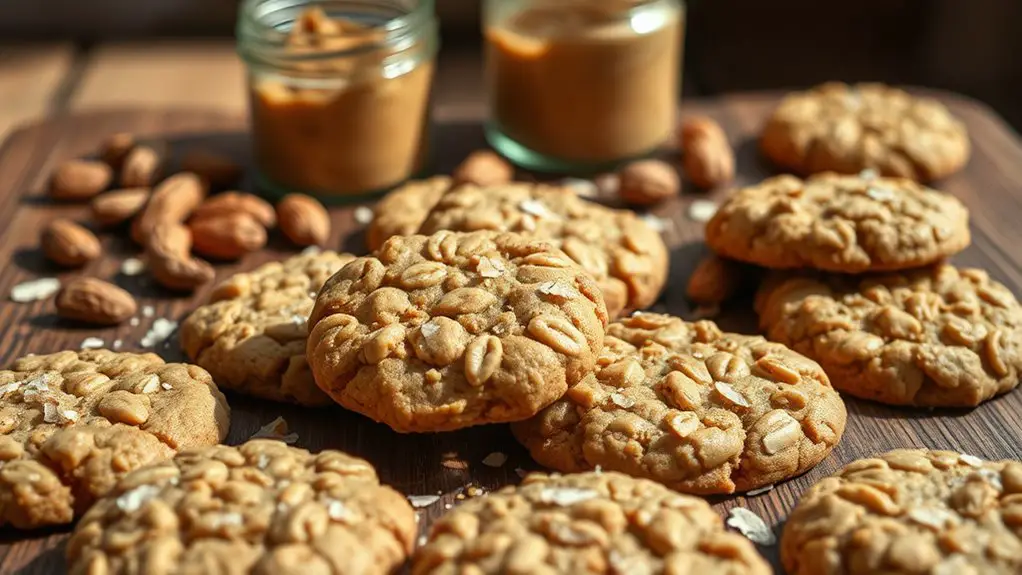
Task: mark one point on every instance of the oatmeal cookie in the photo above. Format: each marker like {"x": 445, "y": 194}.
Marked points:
{"x": 848, "y": 224}
{"x": 402, "y": 211}
{"x": 696, "y": 409}
{"x": 628, "y": 258}
{"x": 74, "y": 423}
{"x": 434, "y": 333}
{"x": 262, "y": 507}
{"x": 842, "y": 128}
{"x": 937, "y": 336}
{"x": 252, "y": 334}
{"x": 585, "y": 523}
{"x": 910, "y": 511}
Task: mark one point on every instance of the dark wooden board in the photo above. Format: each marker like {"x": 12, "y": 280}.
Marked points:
{"x": 991, "y": 186}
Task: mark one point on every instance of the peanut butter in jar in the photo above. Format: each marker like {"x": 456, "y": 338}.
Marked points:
{"x": 340, "y": 96}
{"x": 582, "y": 85}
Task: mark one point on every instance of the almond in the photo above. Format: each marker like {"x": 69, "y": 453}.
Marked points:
{"x": 303, "y": 220}
{"x": 227, "y": 237}
{"x": 80, "y": 180}
{"x": 142, "y": 167}
{"x": 483, "y": 168}
{"x": 709, "y": 160}
{"x": 68, "y": 244}
{"x": 172, "y": 202}
{"x": 716, "y": 280}
{"x": 237, "y": 202}
{"x": 115, "y": 149}
{"x": 170, "y": 260}
{"x": 95, "y": 301}
{"x": 219, "y": 170}
{"x": 648, "y": 182}
{"x": 118, "y": 206}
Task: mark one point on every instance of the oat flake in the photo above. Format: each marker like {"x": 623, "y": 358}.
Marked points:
{"x": 621, "y": 400}
{"x": 731, "y": 394}
{"x": 970, "y": 460}
{"x": 148, "y": 311}
{"x": 556, "y": 289}
{"x": 565, "y": 496}
{"x": 363, "y": 215}
{"x": 759, "y": 491}
{"x": 538, "y": 209}
{"x": 131, "y": 501}
{"x": 159, "y": 332}
{"x": 92, "y": 343}
{"x": 702, "y": 210}
{"x": 420, "y": 501}
{"x": 495, "y": 459}
{"x": 35, "y": 290}
{"x": 339, "y": 512}
{"x": 751, "y": 526}
{"x": 132, "y": 267}
{"x": 117, "y": 344}
{"x": 276, "y": 429}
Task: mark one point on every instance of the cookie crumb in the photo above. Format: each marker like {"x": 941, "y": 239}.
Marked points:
{"x": 159, "y": 332}
{"x": 751, "y": 526}
{"x": 363, "y": 215}
{"x": 133, "y": 322}
{"x": 702, "y": 210}
{"x": 148, "y": 311}
{"x": 420, "y": 501}
{"x": 276, "y": 429}
{"x": 731, "y": 394}
{"x": 490, "y": 267}
{"x": 557, "y": 289}
{"x": 759, "y": 491}
{"x": 92, "y": 343}
{"x": 132, "y": 267}
{"x": 35, "y": 290}
{"x": 495, "y": 459}
{"x": 116, "y": 345}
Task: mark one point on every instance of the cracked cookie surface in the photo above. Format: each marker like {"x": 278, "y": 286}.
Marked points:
{"x": 848, "y": 224}
{"x": 910, "y": 511}
{"x": 261, "y": 507}
{"x": 938, "y": 336}
{"x": 440, "y": 332}
{"x": 691, "y": 407}
{"x": 73, "y": 423}
{"x": 585, "y": 523}
{"x": 842, "y": 128}
{"x": 402, "y": 211}
{"x": 628, "y": 258}
{"x": 252, "y": 334}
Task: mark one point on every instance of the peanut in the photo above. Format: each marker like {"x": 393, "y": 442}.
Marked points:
{"x": 118, "y": 206}
{"x": 483, "y": 168}
{"x": 716, "y": 280}
{"x": 237, "y": 202}
{"x": 95, "y": 301}
{"x": 68, "y": 244}
{"x": 648, "y": 182}
{"x": 709, "y": 160}
{"x": 172, "y": 202}
{"x": 77, "y": 180}
{"x": 170, "y": 260}
{"x": 303, "y": 220}
{"x": 227, "y": 237}
{"x": 115, "y": 149}
{"x": 141, "y": 167}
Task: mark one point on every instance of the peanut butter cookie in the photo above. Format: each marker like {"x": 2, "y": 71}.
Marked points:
{"x": 628, "y": 258}
{"x": 696, "y": 409}
{"x": 402, "y": 211}
{"x": 849, "y": 224}
{"x": 910, "y": 511}
{"x": 585, "y": 523}
{"x": 433, "y": 333}
{"x": 75, "y": 422}
{"x": 937, "y": 336}
{"x": 842, "y": 128}
{"x": 252, "y": 334}
{"x": 262, "y": 507}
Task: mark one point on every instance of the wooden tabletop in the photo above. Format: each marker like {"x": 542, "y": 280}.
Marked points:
{"x": 991, "y": 186}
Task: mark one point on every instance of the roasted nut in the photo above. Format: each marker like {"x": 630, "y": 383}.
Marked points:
{"x": 141, "y": 168}
{"x": 483, "y": 168}
{"x": 648, "y": 182}
{"x": 170, "y": 261}
{"x": 115, "y": 149}
{"x": 716, "y": 280}
{"x": 118, "y": 206}
{"x": 219, "y": 170}
{"x": 69, "y": 244}
{"x": 709, "y": 160}
{"x": 172, "y": 202}
{"x": 227, "y": 237}
{"x": 95, "y": 301}
{"x": 303, "y": 220}
{"x": 80, "y": 180}
{"x": 237, "y": 202}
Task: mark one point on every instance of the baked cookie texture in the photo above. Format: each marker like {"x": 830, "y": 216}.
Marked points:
{"x": 842, "y": 128}
{"x": 910, "y": 511}
{"x": 402, "y": 211}
{"x": 440, "y": 332}
{"x": 628, "y": 258}
{"x": 585, "y": 523}
{"x": 694, "y": 408}
{"x": 938, "y": 336}
{"x": 261, "y": 507}
{"x": 848, "y": 224}
{"x": 74, "y": 423}
{"x": 252, "y": 334}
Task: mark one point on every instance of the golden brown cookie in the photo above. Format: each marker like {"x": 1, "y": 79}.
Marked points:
{"x": 402, "y": 211}
{"x": 937, "y": 336}
{"x": 585, "y": 523}
{"x": 433, "y": 333}
{"x": 261, "y": 507}
{"x": 628, "y": 258}
{"x": 694, "y": 408}
{"x": 849, "y": 224}
{"x": 252, "y": 334}
{"x": 841, "y": 128}
{"x": 910, "y": 511}
{"x": 76, "y": 422}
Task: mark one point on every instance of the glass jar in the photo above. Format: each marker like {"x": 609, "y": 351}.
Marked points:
{"x": 581, "y": 85}
{"x": 339, "y": 92}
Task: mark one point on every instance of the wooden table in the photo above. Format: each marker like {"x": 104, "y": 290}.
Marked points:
{"x": 991, "y": 186}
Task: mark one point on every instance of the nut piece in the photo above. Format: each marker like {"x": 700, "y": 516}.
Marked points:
{"x": 483, "y": 168}
{"x": 141, "y": 167}
{"x": 118, "y": 206}
{"x": 709, "y": 160}
{"x": 218, "y": 169}
{"x": 95, "y": 301}
{"x": 648, "y": 182}
{"x": 227, "y": 237}
{"x": 715, "y": 280}
{"x": 170, "y": 261}
{"x": 303, "y": 220}
{"x": 172, "y": 202}
{"x": 80, "y": 180}
{"x": 69, "y": 244}
{"x": 237, "y": 202}
{"x": 115, "y": 149}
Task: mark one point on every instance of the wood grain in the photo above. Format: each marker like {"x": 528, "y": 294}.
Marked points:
{"x": 991, "y": 186}
{"x": 29, "y": 79}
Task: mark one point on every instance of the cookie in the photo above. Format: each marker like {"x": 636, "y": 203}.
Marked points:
{"x": 628, "y": 258}
{"x": 74, "y": 423}
{"x": 841, "y": 128}
{"x": 849, "y": 224}
{"x": 402, "y": 211}
{"x": 261, "y": 507}
{"x": 937, "y": 336}
{"x": 252, "y": 334}
{"x": 585, "y": 523}
{"x": 696, "y": 409}
{"x": 910, "y": 511}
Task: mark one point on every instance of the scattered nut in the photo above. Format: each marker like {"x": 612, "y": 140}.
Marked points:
{"x": 118, "y": 206}
{"x": 115, "y": 149}
{"x": 170, "y": 260}
{"x": 648, "y": 182}
{"x": 172, "y": 202}
{"x": 68, "y": 244}
{"x": 237, "y": 202}
{"x": 141, "y": 168}
{"x": 219, "y": 170}
{"x": 715, "y": 280}
{"x": 95, "y": 301}
{"x": 227, "y": 237}
{"x": 303, "y": 220}
{"x": 709, "y": 160}
{"x": 483, "y": 168}
{"x": 77, "y": 180}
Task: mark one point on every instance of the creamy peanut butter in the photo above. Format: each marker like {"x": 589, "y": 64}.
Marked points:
{"x": 590, "y": 81}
